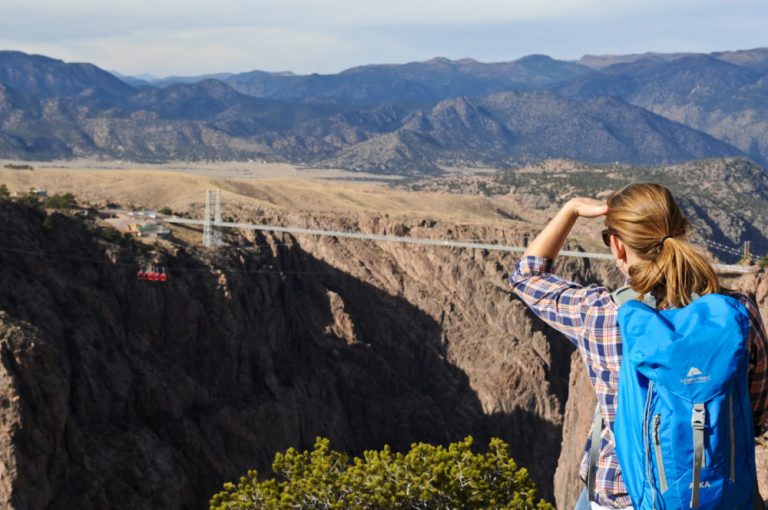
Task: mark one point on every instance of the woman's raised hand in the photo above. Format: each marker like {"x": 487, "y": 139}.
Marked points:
{"x": 587, "y": 207}
{"x": 550, "y": 241}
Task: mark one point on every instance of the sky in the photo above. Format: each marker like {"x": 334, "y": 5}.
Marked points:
{"x": 192, "y": 37}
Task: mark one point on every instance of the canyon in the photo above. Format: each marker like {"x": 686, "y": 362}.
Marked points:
{"x": 123, "y": 393}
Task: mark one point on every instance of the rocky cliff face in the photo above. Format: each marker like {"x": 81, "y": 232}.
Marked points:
{"x": 128, "y": 394}
{"x": 757, "y": 285}
{"x": 576, "y": 425}
{"x": 120, "y": 393}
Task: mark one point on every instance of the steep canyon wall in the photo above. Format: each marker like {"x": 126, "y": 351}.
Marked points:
{"x": 121, "y": 393}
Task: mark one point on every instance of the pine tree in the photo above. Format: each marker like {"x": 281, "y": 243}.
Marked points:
{"x": 426, "y": 477}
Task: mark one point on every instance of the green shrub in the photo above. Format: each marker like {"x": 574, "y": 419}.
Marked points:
{"x": 65, "y": 201}
{"x": 763, "y": 262}
{"x": 49, "y": 223}
{"x": 112, "y": 235}
{"x": 4, "y": 193}
{"x": 139, "y": 246}
{"x": 19, "y": 167}
{"x": 30, "y": 200}
{"x": 166, "y": 210}
{"x": 427, "y": 477}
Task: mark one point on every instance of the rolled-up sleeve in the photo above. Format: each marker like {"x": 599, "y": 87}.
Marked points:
{"x": 562, "y": 304}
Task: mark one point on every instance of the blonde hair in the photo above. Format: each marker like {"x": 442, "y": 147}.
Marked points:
{"x": 647, "y": 219}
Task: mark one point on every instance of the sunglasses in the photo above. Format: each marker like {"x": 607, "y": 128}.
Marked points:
{"x": 606, "y": 235}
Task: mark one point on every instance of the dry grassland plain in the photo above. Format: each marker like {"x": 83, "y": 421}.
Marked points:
{"x": 282, "y": 187}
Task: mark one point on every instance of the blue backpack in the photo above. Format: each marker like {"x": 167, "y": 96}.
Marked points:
{"x": 684, "y": 433}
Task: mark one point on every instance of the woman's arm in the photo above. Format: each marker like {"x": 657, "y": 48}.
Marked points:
{"x": 551, "y": 240}
{"x": 567, "y": 306}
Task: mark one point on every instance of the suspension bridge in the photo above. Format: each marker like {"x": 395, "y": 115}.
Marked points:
{"x": 212, "y": 224}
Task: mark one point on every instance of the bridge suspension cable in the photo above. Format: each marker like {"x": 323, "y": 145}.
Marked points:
{"x": 723, "y": 268}
{"x": 212, "y": 237}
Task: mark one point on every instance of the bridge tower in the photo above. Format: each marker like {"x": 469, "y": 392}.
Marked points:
{"x": 207, "y": 230}
{"x": 217, "y": 239}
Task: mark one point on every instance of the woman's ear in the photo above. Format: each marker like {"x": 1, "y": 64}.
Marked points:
{"x": 617, "y": 248}
{"x": 619, "y": 251}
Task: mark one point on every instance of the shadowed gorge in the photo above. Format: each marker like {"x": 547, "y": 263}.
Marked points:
{"x": 123, "y": 394}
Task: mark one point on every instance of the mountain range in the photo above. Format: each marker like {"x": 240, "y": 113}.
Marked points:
{"x": 408, "y": 119}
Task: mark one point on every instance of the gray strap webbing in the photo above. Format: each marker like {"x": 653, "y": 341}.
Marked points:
{"x": 733, "y": 437}
{"x": 594, "y": 451}
{"x": 625, "y": 294}
{"x": 698, "y": 419}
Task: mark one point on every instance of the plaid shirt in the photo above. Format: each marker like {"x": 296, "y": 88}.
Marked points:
{"x": 588, "y": 316}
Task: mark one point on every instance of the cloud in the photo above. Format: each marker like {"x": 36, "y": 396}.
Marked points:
{"x": 191, "y": 36}
{"x": 197, "y": 51}
{"x": 40, "y": 19}
{"x": 327, "y": 10}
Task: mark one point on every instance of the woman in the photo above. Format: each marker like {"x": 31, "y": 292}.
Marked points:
{"x": 646, "y": 234}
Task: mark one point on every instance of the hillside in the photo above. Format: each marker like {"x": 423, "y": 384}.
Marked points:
{"x": 725, "y": 199}
{"x": 423, "y": 82}
{"x": 50, "y": 78}
{"x": 410, "y": 119}
{"x": 723, "y": 98}
{"x": 509, "y": 129}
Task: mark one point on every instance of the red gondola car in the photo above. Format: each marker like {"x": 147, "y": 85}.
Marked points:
{"x": 152, "y": 274}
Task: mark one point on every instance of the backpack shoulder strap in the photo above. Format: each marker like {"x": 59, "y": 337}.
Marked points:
{"x": 594, "y": 451}
{"x": 625, "y": 294}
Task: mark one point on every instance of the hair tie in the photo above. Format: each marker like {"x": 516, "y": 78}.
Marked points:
{"x": 661, "y": 243}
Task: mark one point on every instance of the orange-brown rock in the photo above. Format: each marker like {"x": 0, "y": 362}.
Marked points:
{"x": 122, "y": 393}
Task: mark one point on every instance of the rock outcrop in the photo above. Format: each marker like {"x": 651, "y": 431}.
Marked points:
{"x": 123, "y": 393}
{"x": 120, "y": 393}
{"x": 576, "y": 425}
{"x": 757, "y": 286}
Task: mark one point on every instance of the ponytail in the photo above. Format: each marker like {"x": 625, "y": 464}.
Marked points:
{"x": 648, "y": 220}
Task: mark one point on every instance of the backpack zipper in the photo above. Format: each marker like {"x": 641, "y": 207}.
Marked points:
{"x": 647, "y": 441}
{"x": 657, "y": 451}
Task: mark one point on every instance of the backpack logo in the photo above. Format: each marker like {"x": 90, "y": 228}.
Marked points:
{"x": 695, "y": 376}
{"x": 702, "y": 485}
